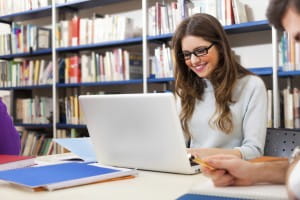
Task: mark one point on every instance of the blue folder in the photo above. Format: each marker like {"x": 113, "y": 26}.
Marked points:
{"x": 204, "y": 197}
{"x": 44, "y": 176}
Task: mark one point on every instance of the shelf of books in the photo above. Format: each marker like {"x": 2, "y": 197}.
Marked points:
{"x": 29, "y": 87}
{"x": 59, "y": 125}
{"x": 89, "y": 84}
{"x": 75, "y": 126}
{"x": 245, "y": 27}
{"x": 11, "y": 13}
{"x": 289, "y": 73}
{"x": 33, "y": 125}
{"x": 15, "y": 10}
{"x": 117, "y": 43}
{"x": 84, "y": 4}
{"x": 27, "y": 54}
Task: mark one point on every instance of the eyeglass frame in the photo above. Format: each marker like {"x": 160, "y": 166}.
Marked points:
{"x": 202, "y": 49}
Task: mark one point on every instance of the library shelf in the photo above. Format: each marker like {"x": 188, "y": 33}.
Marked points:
{"x": 246, "y": 27}
{"x": 27, "y": 87}
{"x": 86, "y": 4}
{"x": 46, "y": 11}
{"x": 27, "y": 15}
{"x": 262, "y": 71}
{"x": 160, "y": 80}
{"x": 58, "y": 125}
{"x": 128, "y": 41}
{"x": 27, "y": 54}
{"x": 261, "y": 25}
{"x": 77, "y": 126}
{"x": 288, "y": 73}
{"x": 29, "y": 125}
{"x": 125, "y": 82}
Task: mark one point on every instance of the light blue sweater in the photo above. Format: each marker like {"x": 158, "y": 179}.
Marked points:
{"x": 249, "y": 119}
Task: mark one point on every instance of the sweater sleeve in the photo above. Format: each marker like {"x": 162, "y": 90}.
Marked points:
{"x": 294, "y": 181}
{"x": 9, "y": 137}
{"x": 254, "y": 125}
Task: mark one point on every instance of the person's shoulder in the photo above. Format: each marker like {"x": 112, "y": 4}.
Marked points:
{"x": 2, "y": 106}
{"x": 252, "y": 81}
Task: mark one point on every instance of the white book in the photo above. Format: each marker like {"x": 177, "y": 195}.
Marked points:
{"x": 64, "y": 33}
{"x": 83, "y": 31}
{"x": 262, "y": 192}
{"x": 239, "y": 10}
{"x": 296, "y": 107}
{"x": 42, "y": 68}
{"x": 84, "y": 67}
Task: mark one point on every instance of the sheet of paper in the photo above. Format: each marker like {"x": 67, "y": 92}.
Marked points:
{"x": 82, "y": 147}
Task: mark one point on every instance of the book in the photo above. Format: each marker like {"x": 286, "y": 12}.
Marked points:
{"x": 15, "y": 161}
{"x": 62, "y": 175}
{"x": 206, "y": 190}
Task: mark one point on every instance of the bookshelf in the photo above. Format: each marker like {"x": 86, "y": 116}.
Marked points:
{"x": 144, "y": 43}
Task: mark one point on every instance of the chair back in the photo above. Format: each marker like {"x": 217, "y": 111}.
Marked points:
{"x": 281, "y": 142}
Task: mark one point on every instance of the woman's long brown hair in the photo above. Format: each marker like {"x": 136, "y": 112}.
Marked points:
{"x": 189, "y": 87}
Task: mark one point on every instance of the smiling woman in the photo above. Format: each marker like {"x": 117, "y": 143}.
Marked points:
{"x": 220, "y": 101}
{"x": 9, "y": 137}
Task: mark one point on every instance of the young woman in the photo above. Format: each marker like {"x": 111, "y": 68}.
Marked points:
{"x": 223, "y": 106}
{"x": 9, "y": 137}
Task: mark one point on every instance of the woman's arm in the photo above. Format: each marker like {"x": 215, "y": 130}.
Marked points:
{"x": 254, "y": 124}
{"x": 204, "y": 152}
{"x": 9, "y": 137}
{"x": 293, "y": 179}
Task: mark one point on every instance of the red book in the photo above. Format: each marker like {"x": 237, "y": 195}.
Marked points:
{"x": 14, "y": 161}
{"x": 74, "y": 71}
{"x": 75, "y": 30}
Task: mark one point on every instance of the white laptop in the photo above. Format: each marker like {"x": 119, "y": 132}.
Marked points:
{"x": 140, "y": 131}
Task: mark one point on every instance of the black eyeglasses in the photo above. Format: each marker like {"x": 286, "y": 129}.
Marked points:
{"x": 200, "y": 51}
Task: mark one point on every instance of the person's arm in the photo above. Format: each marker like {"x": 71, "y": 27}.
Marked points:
{"x": 204, "y": 152}
{"x": 254, "y": 126}
{"x": 9, "y": 137}
{"x": 293, "y": 178}
{"x": 231, "y": 170}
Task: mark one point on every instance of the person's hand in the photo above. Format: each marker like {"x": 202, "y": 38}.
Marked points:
{"x": 194, "y": 152}
{"x": 229, "y": 170}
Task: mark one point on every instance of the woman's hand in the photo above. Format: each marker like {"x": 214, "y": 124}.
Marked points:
{"x": 229, "y": 170}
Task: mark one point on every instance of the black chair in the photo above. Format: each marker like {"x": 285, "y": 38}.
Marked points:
{"x": 281, "y": 142}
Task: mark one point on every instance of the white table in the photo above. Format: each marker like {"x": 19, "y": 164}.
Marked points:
{"x": 147, "y": 185}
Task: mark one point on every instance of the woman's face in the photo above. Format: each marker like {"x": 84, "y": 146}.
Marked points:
{"x": 203, "y": 64}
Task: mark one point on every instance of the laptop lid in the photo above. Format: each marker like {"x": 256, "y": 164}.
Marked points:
{"x": 140, "y": 131}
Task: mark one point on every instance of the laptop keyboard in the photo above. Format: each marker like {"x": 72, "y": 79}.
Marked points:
{"x": 192, "y": 162}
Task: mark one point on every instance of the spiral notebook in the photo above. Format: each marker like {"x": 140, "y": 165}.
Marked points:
{"x": 206, "y": 190}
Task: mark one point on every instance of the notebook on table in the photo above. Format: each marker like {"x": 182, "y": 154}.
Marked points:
{"x": 62, "y": 175}
{"x": 206, "y": 190}
{"x": 15, "y": 161}
{"x": 140, "y": 131}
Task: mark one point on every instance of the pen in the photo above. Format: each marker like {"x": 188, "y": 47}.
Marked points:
{"x": 203, "y": 163}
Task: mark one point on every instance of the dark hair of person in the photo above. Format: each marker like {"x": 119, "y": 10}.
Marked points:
{"x": 277, "y": 9}
{"x": 189, "y": 87}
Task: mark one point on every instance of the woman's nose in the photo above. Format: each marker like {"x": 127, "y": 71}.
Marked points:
{"x": 195, "y": 59}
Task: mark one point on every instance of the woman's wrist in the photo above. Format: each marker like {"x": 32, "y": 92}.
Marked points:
{"x": 269, "y": 172}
